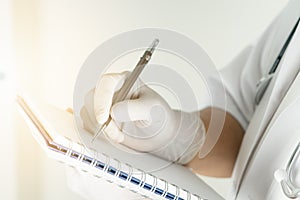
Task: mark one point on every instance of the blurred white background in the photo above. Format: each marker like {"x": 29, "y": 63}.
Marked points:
{"x": 43, "y": 44}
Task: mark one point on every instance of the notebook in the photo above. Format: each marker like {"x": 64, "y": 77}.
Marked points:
{"x": 148, "y": 175}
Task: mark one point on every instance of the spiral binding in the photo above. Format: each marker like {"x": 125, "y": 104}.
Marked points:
{"x": 166, "y": 189}
{"x": 177, "y": 192}
{"x": 189, "y": 196}
{"x": 117, "y": 172}
{"x": 93, "y": 161}
{"x": 154, "y": 185}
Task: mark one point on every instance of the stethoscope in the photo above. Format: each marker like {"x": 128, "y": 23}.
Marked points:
{"x": 264, "y": 82}
{"x": 283, "y": 176}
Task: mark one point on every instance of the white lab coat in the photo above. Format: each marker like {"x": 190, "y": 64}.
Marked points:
{"x": 253, "y": 173}
{"x": 256, "y": 163}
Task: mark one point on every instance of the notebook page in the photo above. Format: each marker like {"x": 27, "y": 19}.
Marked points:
{"x": 61, "y": 124}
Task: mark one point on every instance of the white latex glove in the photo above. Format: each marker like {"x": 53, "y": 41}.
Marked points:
{"x": 144, "y": 121}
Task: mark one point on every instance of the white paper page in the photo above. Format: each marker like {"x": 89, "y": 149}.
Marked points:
{"x": 61, "y": 124}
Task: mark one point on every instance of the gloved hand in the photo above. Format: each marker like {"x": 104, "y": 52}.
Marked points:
{"x": 144, "y": 121}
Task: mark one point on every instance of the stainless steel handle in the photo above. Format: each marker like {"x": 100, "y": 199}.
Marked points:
{"x": 289, "y": 189}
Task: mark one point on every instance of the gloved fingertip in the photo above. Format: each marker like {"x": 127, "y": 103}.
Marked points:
{"x": 101, "y": 116}
{"x": 115, "y": 110}
{"x": 114, "y": 133}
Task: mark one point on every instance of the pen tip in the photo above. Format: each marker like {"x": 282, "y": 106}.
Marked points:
{"x": 99, "y": 131}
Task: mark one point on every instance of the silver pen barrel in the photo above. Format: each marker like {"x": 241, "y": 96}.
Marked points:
{"x": 129, "y": 82}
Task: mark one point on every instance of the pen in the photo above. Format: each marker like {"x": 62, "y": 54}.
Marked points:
{"x": 129, "y": 82}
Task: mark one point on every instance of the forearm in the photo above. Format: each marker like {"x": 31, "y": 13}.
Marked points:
{"x": 221, "y": 159}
